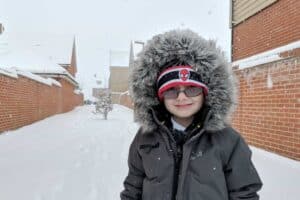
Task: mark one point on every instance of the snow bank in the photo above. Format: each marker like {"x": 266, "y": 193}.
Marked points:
{"x": 280, "y": 175}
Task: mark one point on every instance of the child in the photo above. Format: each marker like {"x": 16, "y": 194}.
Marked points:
{"x": 183, "y": 92}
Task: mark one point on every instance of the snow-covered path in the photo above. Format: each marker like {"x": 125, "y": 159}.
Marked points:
{"x": 80, "y": 156}
{"x": 72, "y": 156}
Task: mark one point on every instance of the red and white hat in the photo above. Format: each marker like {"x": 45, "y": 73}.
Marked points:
{"x": 179, "y": 75}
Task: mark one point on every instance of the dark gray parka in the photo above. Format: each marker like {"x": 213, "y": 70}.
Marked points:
{"x": 214, "y": 162}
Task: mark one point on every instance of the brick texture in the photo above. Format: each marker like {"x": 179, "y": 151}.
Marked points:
{"x": 24, "y": 101}
{"x": 126, "y": 100}
{"x": 274, "y": 26}
{"x": 268, "y": 114}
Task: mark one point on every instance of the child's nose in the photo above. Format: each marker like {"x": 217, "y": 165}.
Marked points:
{"x": 181, "y": 95}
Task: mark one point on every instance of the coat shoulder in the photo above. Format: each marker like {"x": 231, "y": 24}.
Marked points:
{"x": 145, "y": 136}
{"x": 228, "y": 135}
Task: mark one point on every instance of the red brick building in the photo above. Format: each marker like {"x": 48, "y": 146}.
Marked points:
{"x": 266, "y": 59}
{"x": 32, "y": 88}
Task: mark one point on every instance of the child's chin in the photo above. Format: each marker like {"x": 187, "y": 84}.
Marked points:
{"x": 184, "y": 114}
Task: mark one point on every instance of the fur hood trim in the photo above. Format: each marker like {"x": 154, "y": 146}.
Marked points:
{"x": 184, "y": 46}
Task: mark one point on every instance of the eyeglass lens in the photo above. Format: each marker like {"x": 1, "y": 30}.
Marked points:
{"x": 189, "y": 92}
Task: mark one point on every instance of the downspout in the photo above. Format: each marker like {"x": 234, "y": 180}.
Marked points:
{"x": 231, "y": 27}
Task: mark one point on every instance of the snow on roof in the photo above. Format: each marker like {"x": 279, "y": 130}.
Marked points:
{"x": 14, "y": 74}
{"x": 35, "y": 77}
{"x": 265, "y": 57}
{"x": 26, "y": 60}
{"x": 77, "y": 91}
{"x": 10, "y": 73}
{"x": 119, "y": 58}
{"x": 37, "y": 53}
{"x": 57, "y": 48}
{"x": 13, "y": 57}
{"x": 55, "y": 82}
{"x": 16, "y": 56}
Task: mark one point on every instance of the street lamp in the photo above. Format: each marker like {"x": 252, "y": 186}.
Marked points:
{"x": 133, "y": 53}
{"x": 139, "y": 42}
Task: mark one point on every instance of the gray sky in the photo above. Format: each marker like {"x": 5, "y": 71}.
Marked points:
{"x": 102, "y": 26}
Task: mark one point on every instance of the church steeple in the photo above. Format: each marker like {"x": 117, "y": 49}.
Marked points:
{"x": 73, "y": 68}
{"x": 131, "y": 56}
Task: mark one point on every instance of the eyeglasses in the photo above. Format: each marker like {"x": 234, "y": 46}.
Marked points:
{"x": 188, "y": 91}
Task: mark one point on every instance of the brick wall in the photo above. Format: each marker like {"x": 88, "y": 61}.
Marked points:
{"x": 276, "y": 25}
{"x": 268, "y": 114}
{"x": 126, "y": 100}
{"x": 24, "y": 101}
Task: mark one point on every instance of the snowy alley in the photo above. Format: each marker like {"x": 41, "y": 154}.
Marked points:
{"x": 80, "y": 156}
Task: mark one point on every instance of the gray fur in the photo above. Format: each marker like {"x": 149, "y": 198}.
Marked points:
{"x": 202, "y": 55}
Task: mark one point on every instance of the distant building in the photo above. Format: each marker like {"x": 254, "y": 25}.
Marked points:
{"x": 119, "y": 73}
{"x": 121, "y": 64}
{"x": 118, "y": 82}
{"x": 97, "y": 92}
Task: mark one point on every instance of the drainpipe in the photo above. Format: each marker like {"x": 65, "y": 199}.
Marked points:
{"x": 231, "y": 27}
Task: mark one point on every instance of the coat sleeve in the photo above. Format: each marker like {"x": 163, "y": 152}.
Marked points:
{"x": 133, "y": 183}
{"x": 242, "y": 179}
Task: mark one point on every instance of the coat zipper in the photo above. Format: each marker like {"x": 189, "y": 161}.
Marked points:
{"x": 173, "y": 150}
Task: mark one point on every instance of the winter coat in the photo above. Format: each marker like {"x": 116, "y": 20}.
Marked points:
{"x": 214, "y": 166}
{"x": 214, "y": 162}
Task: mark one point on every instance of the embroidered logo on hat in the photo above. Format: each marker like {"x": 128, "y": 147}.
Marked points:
{"x": 184, "y": 74}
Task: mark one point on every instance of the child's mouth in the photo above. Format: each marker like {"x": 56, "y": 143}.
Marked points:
{"x": 183, "y": 105}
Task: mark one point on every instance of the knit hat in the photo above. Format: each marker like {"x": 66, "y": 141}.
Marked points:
{"x": 179, "y": 75}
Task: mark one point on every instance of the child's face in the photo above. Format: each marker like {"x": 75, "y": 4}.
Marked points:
{"x": 184, "y": 107}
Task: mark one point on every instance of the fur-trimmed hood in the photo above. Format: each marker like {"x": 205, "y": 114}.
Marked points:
{"x": 182, "y": 46}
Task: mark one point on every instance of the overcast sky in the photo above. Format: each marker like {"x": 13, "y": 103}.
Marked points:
{"x": 103, "y": 26}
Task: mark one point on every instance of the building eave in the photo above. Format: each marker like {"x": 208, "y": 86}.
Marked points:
{"x": 64, "y": 76}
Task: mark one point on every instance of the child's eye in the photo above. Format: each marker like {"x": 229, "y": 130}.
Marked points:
{"x": 192, "y": 88}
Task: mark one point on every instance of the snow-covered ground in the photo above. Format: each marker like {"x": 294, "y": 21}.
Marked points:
{"x": 80, "y": 156}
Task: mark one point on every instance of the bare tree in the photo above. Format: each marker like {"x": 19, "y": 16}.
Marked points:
{"x": 104, "y": 104}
